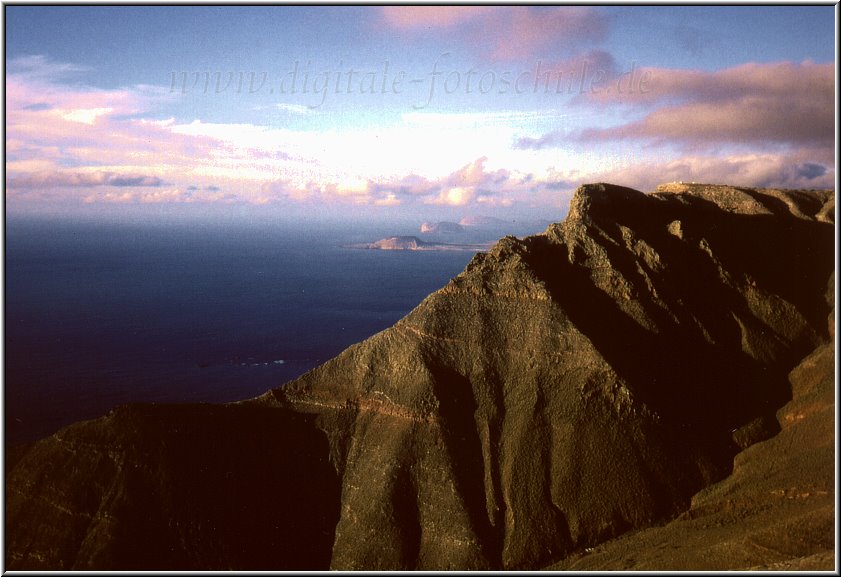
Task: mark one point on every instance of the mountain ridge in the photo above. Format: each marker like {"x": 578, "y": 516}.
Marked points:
{"x": 563, "y": 390}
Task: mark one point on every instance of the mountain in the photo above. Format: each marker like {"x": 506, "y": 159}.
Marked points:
{"x": 647, "y": 384}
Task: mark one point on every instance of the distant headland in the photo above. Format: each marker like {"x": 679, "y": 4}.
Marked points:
{"x": 414, "y": 243}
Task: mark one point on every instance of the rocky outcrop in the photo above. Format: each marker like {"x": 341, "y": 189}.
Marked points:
{"x": 564, "y": 390}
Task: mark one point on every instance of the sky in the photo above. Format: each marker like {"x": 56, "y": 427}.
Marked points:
{"x": 412, "y": 110}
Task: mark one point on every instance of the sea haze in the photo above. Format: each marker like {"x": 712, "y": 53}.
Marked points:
{"x": 101, "y": 314}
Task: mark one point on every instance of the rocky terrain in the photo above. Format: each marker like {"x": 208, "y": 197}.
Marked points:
{"x": 647, "y": 385}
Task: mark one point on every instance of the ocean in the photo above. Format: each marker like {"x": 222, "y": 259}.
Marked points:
{"x": 99, "y": 314}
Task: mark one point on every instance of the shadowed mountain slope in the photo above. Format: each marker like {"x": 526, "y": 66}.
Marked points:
{"x": 563, "y": 390}
{"x": 776, "y": 511}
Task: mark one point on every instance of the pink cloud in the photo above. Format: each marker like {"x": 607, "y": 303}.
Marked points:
{"x": 431, "y": 16}
{"x": 506, "y": 33}
{"x": 752, "y": 103}
{"x": 471, "y": 184}
{"x": 406, "y": 187}
{"x": 473, "y": 174}
{"x": 749, "y": 120}
{"x": 749, "y": 107}
{"x": 750, "y": 125}
{"x": 780, "y": 79}
{"x": 802, "y": 168}
{"x": 80, "y": 144}
{"x": 83, "y": 125}
{"x": 64, "y": 139}
{"x": 539, "y": 31}
{"x": 37, "y": 95}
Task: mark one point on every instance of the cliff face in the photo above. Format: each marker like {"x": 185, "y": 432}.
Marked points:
{"x": 562, "y": 390}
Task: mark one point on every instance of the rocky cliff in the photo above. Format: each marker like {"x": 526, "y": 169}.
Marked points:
{"x": 564, "y": 392}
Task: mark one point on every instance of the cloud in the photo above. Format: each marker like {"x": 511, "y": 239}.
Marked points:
{"x": 779, "y": 79}
{"x": 505, "y": 33}
{"x": 168, "y": 195}
{"x": 37, "y": 106}
{"x": 387, "y": 200}
{"x": 80, "y": 144}
{"x": 474, "y": 174}
{"x": 286, "y": 107}
{"x": 405, "y": 187}
{"x": 750, "y": 120}
{"x": 810, "y": 170}
{"x": 85, "y": 115}
{"x": 75, "y": 125}
{"x": 454, "y": 196}
{"x": 36, "y": 84}
{"x": 464, "y": 185}
{"x": 796, "y": 169}
{"x": 472, "y": 120}
{"x": 534, "y": 31}
{"x": 548, "y": 140}
{"x": 63, "y": 139}
{"x": 561, "y": 185}
{"x": 758, "y": 105}
{"x": 425, "y": 145}
{"x": 135, "y": 181}
{"x": 41, "y": 67}
{"x": 426, "y": 17}
{"x": 82, "y": 179}
{"x": 750, "y": 125}
{"x": 472, "y": 183}
{"x": 295, "y": 108}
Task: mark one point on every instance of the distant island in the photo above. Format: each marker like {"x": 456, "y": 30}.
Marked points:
{"x": 468, "y": 222}
{"x": 474, "y": 220}
{"x": 414, "y": 243}
{"x": 485, "y": 225}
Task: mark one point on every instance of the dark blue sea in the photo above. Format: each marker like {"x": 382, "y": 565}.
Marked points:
{"x": 99, "y": 314}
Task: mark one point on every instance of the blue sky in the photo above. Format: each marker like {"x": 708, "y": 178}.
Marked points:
{"x": 409, "y": 110}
